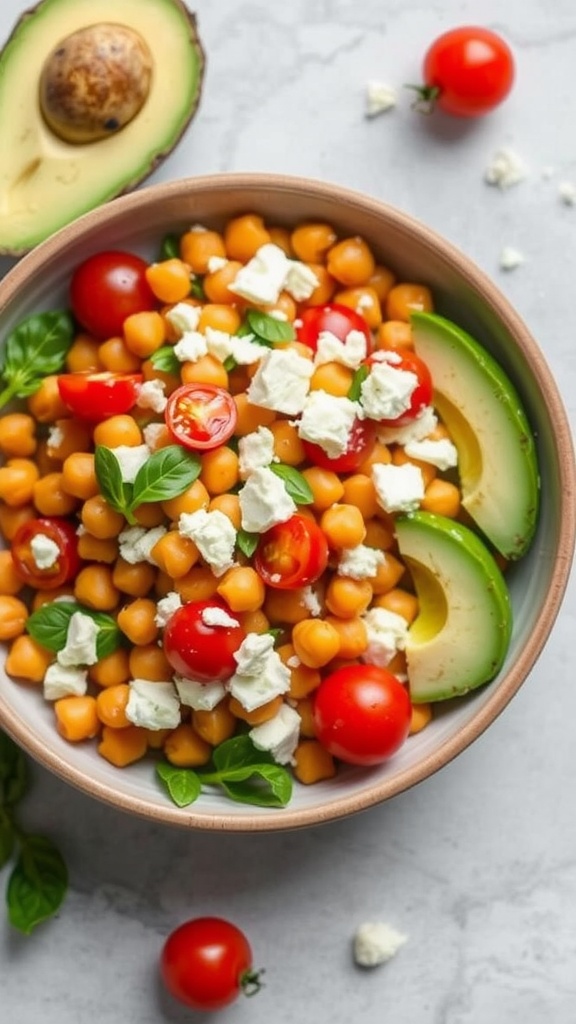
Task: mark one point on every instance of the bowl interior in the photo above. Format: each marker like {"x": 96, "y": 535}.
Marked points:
{"x": 138, "y": 222}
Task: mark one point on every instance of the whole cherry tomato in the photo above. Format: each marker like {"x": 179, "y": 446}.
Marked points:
{"x": 361, "y": 442}
{"x": 108, "y": 287}
{"x": 421, "y": 396}
{"x": 467, "y": 71}
{"x": 45, "y": 552}
{"x": 95, "y": 396}
{"x": 333, "y": 317}
{"x": 291, "y": 554}
{"x": 201, "y": 416}
{"x": 362, "y": 714}
{"x": 198, "y": 650}
{"x": 206, "y": 963}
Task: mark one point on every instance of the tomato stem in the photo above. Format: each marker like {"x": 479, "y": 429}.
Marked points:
{"x": 426, "y": 97}
{"x": 251, "y": 981}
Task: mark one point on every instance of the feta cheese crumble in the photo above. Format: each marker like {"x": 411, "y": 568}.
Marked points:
{"x": 214, "y": 536}
{"x": 387, "y": 391}
{"x": 153, "y": 705}
{"x": 218, "y": 617}
{"x": 510, "y": 258}
{"x": 198, "y": 695}
{"x": 136, "y": 543}
{"x": 441, "y": 453}
{"x": 398, "y": 488}
{"x": 505, "y": 169}
{"x": 255, "y": 451}
{"x": 269, "y": 272}
{"x": 151, "y": 395}
{"x": 166, "y": 607}
{"x": 327, "y": 421}
{"x": 64, "y": 681}
{"x": 350, "y": 352}
{"x": 281, "y": 382}
{"x": 380, "y": 97}
{"x": 418, "y": 428}
{"x": 131, "y": 458}
{"x": 387, "y": 633}
{"x": 261, "y": 674}
{"x": 264, "y": 501}
{"x": 361, "y": 562}
{"x": 45, "y": 551}
{"x": 567, "y": 193}
{"x": 183, "y": 317}
{"x": 300, "y": 281}
{"x": 191, "y": 347}
{"x": 279, "y": 735}
{"x": 80, "y": 646}
{"x": 376, "y": 942}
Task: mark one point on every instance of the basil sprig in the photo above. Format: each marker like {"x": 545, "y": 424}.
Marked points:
{"x": 48, "y": 625}
{"x": 165, "y": 360}
{"x": 295, "y": 483}
{"x": 166, "y": 474}
{"x": 35, "y": 348}
{"x": 267, "y": 329}
{"x": 247, "y": 542}
{"x": 355, "y": 389}
{"x": 246, "y": 774}
{"x": 38, "y": 880}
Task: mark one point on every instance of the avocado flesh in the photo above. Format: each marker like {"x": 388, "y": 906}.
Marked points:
{"x": 46, "y": 182}
{"x": 483, "y": 412}
{"x": 460, "y": 636}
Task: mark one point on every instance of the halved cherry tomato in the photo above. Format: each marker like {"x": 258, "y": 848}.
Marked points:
{"x": 362, "y": 714}
{"x": 106, "y": 288}
{"x": 206, "y": 963}
{"x": 467, "y": 71}
{"x": 201, "y": 416}
{"x": 333, "y": 317}
{"x": 422, "y": 394}
{"x": 95, "y": 396}
{"x": 198, "y": 650}
{"x": 291, "y": 554}
{"x": 66, "y": 563}
{"x": 361, "y": 441}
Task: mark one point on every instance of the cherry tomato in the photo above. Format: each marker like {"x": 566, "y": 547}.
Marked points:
{"x": 291, "y": 554}
{"x": 467, "y": 71}
{"x": 201, "y": 416}
{"x": 360, "y": 444}
{"x": 362, "y": 714}
{"x": 422, "y": 394}
{"x": 206, "y": 963}
{"x": 333, "y": 317}
{"x": 66, "y": 563}
{"x": 95, "y": 396}
{"x": 108, "y": 287}
{"x": 198, "y": 650}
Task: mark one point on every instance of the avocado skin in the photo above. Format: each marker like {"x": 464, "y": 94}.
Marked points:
{"x": 46, "y": 183}
{"x": 485, "y": 416}
{"x": 461, "y": 635}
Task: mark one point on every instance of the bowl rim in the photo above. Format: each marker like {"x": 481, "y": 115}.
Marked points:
{"x": 340, "y": 805}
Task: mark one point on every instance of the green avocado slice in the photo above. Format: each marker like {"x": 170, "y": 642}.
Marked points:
{"x": 460, "y": 636}
{"x": 45, "y": 181}
{"x": 496, "y": 452}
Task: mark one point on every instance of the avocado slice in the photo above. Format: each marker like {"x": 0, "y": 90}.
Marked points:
{"x": 482, "y": 410}
{"x": 51, "y": 173}
{"x": 460, "y": 636}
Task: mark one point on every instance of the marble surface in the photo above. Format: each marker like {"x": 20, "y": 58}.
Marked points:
{"x": 478, "y": 864}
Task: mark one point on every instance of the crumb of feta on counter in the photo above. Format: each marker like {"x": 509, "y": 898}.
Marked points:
{"x": 380, "y": 97}
{"x": 510, "y": 258}
{"x": 376, "y": 942}
{"x": 506, "y": 168}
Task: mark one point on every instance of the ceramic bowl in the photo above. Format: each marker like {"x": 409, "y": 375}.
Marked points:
{"x": 463, "y": 293}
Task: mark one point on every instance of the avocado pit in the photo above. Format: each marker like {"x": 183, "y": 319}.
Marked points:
{"x": 94, "y": 82}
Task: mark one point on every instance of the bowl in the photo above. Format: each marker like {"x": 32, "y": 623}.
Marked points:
{"x": 462, "y": 292}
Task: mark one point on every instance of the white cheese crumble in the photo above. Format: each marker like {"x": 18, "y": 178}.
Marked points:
{"x": 255, "y": 451}
{"x": 279, "y": 735}
{"x": 55, "y": 436}
{"x": 261, "y": 279}
{"x": 245, "y": 351}
{"x": 191, "y": 347}
{"x": 567, "y": 193}
{"x": 261, "y": 674}
{"x": 387, "y": 633}
{"x": 281, "y": 382}
{"x": 506, "y": 168}
{"x": 380, "y": 97}
{"x": 136, "y": 543}
{"x": 80, "y": 647}
{"x": 153, "y": 705}
{"x": 510, "y": 258}
{"x": 151, "y": 395}
{"x": 387, "y": 391}
{"x": 398, "y": 488}
{"x": 327, "y": 421}
{"x": 216, "y": 263}
{"x": 218, "y": 617}
{"x": 264, "y": 501}
{"x": 300, "y": 281}
{"x": 441, "y": 453}
{"x": 197, "y": 695}
{"x": 350, "y": 352}
{"x": 166, "y": 607}
{"x": 64, "y": 681}
{"x": 131, "y": 458}
{"x": 183, "y": 317}
{"x": 375, "y": 943}
{"x": 152, "y": 433}
{"x": 418, "y": 428}
{"x": 214, "y": 536}
{"x": 45, "y": 551}
{"x": 309, "y": 598}
{"x": 361, "y": 562}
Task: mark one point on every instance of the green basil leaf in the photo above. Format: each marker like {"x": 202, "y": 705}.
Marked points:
{"x": 247, "y": 542}
{"x": 34, "y": 349}
{"x": 238, "y": 752}
{"x": 165, "y": 360}
{"x": 265, "y": 785}
{"x": 275, "y": 633}
{"x": 7, "y": 839}
{"x": 169, "y": 247}
{"x": 166, "y": 475}
{"x": 269, "y": 328}
{"x": 49, "y": 626}
{"x": 197, "y": 288}
{"x": 229, "y": 364}
{"x": 13, "y": 772}
{"x": 182, "y": 784}
{"x": 355, "y": 389}
{"x": 37, "y": 884}
{"x": 110, "y": 636}
{"x": 296, "y": 485}
{"x": 109, "y": 475}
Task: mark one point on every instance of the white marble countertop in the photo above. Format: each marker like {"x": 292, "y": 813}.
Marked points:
{"x": 478, "y": 864}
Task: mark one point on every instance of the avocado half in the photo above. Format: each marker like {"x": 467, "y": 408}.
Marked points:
{"x": 496, "y": 451}
{"x": 47, "y": 181}
{"x": 461, "y": 634}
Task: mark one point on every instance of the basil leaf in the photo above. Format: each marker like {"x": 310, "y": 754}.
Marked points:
{"x": 196, "y": 288}
{"x": 229, "y": 364}
{"x": 37, "y": 885}
{"x": 166, "y": 475}
{"x": 13, "y": 772}
{"x": 165, "y": 360}
{"x": 264, "y": 785}
{"x": 170, "y": 247}
{"x": 247, "y": 542}
{"x": 182, "y": 784}
{"x": 7, "y": 839}
{"x": 34, "y": 349}
{"x": 49, "y": 626}
{"x": 296, "y": 485}
{"x": 109, "y": 475}
{"x": 269, "y": 328}
{"x": 238, "y": 752}
{"x": 355, "y": 389}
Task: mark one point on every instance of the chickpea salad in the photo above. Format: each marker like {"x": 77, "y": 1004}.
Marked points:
{"x": 205, "y": 462}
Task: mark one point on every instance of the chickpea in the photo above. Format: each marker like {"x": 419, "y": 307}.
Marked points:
{"x": 312, "y": 241}
{"x": 100, "y": 519}
{"x": 78, "y": 475}
{"x": 343, "y": 526}
{"x": 403, "y": 299}
{"x": 351, "y": 262}
{"x": 17, "y": 435}
{"x": 316, "y": 642}
{"x": 118, "y": 430}
{"x": 50, "y": 497}
{"x": 198, "y": 247}
{"x": 135, "y": 580}
{"x": 17, "y": 481}
{"x": 45, "y": 405}
{"x": 10, "y": 582}
{"x": 137, "y": 621}
{"x": 94, "y": 588}
{"x": 326, "y": 486}
{"x": 83, "y": 355}
{"x": 117, "y": 357}
{"x": 13, "y": 616}
{"x": 244, "y": 235}
{"x": 219, "y": 472}
{"x": 242, "y": 589}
